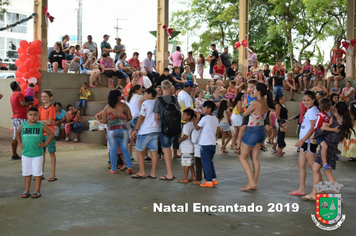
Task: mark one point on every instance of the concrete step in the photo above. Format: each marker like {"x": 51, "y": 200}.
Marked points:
{"x": 85, "y": 120}
{"x": 90, "y": 137}
{"x": 93, "y": 107}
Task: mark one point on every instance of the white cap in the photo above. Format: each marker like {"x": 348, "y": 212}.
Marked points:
{"x": 87, "y": 51}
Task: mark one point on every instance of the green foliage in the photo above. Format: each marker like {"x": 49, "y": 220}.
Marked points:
{"x": 3, "y": 4}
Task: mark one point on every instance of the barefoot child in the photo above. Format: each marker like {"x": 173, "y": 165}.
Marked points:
{"x": 84, "y": 96}
{"x": 30, "y": 135}
{"x": 187, "y": 147}
{"x": 225, "y": 121}
{"x": 209, "y": 125}
{"x": 281, "y": 137}
{"x": 236, "y": 117}
{"x": 196, "y": 134}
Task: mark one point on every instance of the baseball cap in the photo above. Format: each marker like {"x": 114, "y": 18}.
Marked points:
{"x": 105, "y": 35}
{"x": 87, "y": 51}
{"x": 117, "y": 38}
{"x": 189, "y": 83}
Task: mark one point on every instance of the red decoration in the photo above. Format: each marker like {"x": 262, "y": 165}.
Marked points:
{"x": 243, "y": 43}
{"x": 35, "y": 102}
{"x": 168, "y": 30}
{"x": 51, "y": 18}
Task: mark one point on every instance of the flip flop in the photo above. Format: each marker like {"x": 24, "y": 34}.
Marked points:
{"x": 165, "y": 178}
{"x": 352, "y": 159}
{"x": 308, "y": 198}
{"x": 136, "y": 176}
{"x": 225, "y": 151}
{"x": 36, "y": 195}
{"x": 25, "y": 194}
{"x": 295, "y": 193}
{"x": 182, "y": 181}
{"x": 151, "y": 177}
{"x": 327, "y": 167}
{"x": 52, "y": 179}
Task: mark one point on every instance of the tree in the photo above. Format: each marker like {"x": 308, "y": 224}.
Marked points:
{"x": 3, "y": 3}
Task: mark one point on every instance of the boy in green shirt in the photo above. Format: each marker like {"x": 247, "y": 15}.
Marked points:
{"x": 30, "y": 136}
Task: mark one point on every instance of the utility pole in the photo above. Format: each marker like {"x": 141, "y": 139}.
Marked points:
{"x": 79, "y": 22}
{"x": 117, "y": 26}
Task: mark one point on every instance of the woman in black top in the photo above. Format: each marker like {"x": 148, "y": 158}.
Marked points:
{"x": 281, "y": 115}
{"x": 338, "y": 72}
{"x": 278, "y": 81}
{"x": 56, "y": 57}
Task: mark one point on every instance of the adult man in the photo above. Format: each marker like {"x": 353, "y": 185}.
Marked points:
{"x": 118, "y": 49}
{"x": 177, "y": 57}
{"x": 91, "y": 46}
{"x": 212, "y": 59}
{"x": 166, "y": 141}
{"x": 251, "y": 58}
{"x": 226, "y": 58}
{"x": 19, "y": 114}
{"x": 279, "y": 67}
{"x": 184, "y": 99}
{"x": 105, "y": 46}
{"x": 337, "y": 53}
{"x": 148, "y": 66}
{"x": 72, "y": 60}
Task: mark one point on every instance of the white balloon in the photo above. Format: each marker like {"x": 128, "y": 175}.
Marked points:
{"x": 32, "y": 80}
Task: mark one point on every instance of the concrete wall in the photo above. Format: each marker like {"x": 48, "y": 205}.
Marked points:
{"x": 5, "y": 107}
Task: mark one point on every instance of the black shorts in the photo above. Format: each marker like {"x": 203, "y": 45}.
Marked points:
{"x": 244, "y": 121}
{"x": 281, "y": 136}
{"x": 309, "y": 147}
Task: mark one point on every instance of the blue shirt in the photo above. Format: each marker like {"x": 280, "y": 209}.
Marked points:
{"x": 69, "y": 57}
{"x": 61, "y": 115}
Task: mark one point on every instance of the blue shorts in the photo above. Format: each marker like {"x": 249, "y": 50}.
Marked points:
{"x": 84, "y": 71}
{"x": 319, "y": 139}
{"x": 224, "y": 126}
{"x": 29, "y": 99}
{"x": 254, "y": 135}
{"x": 147, "y": 140}
{"x": 211, "y": 70}
{"x": 133, "y": 123}
{"x": 51, "y": 146}
{"x": 277, "y": 90}
{"x": 166, "y": 141}
{"x": 82, "y": 103}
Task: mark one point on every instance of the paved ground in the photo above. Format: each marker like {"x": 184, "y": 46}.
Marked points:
{"x": 87, "y": 200}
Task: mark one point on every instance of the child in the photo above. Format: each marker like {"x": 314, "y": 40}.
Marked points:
{"x": 248, "y": 76}
{"x": 47, "y": 115}
{"x": 320, "y": 74}
{"x": 225, "y": 122}
{"x": 231, "y": 92}
{"x": 198, "y": 106}
{"x": 236, "y": 117}
{"x": 209, "y": 125}
{"x": 84, "y": 96}
{"x": 30, "y": 135}
{"x": 272, "y": 121}
{"x": 249, "y": 98}
{"x": 267, "y": 72}
{"x": 322, "y": 120}
{"x": 187, "y": 147}
{"x": 94, "y": 65}
{"x": 222, "y": 89}
{"x": 282, "y": 129}
{"x": 240, "y": 82}
{"x": 349, "y": 147}
{"x": 195, "y": 137}
{"x": 30, "y": 92}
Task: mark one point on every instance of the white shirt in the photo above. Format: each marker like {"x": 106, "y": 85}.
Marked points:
{"x": 196, "y": 134}
{"x": 305, "y": 127}
{"x": 209, "y": 125}
{"x": 149, "y": 125}
{"x": 187, "y": 146}
{"x": 184, "y": 100}
{"x": 134, "y": 105}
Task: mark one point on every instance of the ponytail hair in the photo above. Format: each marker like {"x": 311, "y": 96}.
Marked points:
{"x": 347, "y": 124}
{"x": 353, "y": 110}
{"x": 262, "y": 88}
{"x": 311, "y": 94}
{"x": 237, "y": 99}
{"x": 221, "y": 109}
{"x": 133, "y": 90}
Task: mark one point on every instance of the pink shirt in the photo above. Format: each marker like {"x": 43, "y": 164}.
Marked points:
{"x": 302, "y": 112}
{"x": 177, "y": 58}
{"x": 108, "y": 63}
{"x": 134, "y": 63}
{"x": 30, "y": 92}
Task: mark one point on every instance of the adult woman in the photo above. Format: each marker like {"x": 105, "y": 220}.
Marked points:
{"x": 261, "y": 77}
{"x": 338, "y": 72}
{"x": 231, "y": 93}
{"x": 125, "y": 68}
{"x": 219, "y": 70}
{"x": 84, "y": 67}
{"x": 200, "y": 65}
{"x": 56, "y": 58}
{"x": 73, "y": 119}
{"x": 255, "y": 69}
{"x": 240, "y": 82}
{"x": 130, "y": 85}
{"x": 308, "y": 152}
{"x": 136, "y": 65}
{"x": 134, "y": 101}
{"x": 306, "y": 74}
{"x": 190, "y": 61}
{"x": 254, "y": 134}
{"x": 188, "y": 75}
{"x": 334, "y": 98}
{"x": 77, "y": 51}
{"x": 278, "y": 82}
{"x": 296, "y": 73}
{"x": 108, "y": 66}
{"x": 117, "y": 115}
{"x": 281, "y": 114}
{"x": 216, "y": 98}
{"x": 60, "y": 120}
{"x": 177, "y": 78}
{"x": 200, "y": 98}
{"x": 65, "y": 44}
{"x": 290, "y": 85}
{"x": 209, "y": 86}
{"x": 347, "y": 92}
{"x": 320, "y": 91}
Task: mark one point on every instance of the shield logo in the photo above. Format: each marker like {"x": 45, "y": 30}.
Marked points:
{"x": 328, "y": 208}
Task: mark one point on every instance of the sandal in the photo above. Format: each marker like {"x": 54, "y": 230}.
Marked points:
{"x": 237, "y": 150}
{"x": 263, "y": 148}
{"x": 25, "y": 194}
{"x": 129, "y": 171}
{"x": 328, "y": 167}
{"x": 36, "y": 195}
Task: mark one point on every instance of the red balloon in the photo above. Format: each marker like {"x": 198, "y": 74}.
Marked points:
{"x": 36, "y": 63}
{"x": 21, "y": 50}
{"x": 18, "y": 63}
{"x": 23, "y": 57}
{"x": 36, "y": 43}
{"x": 36, "y": 88}
{"x": 38, "y": 50}
{"x": 33, "y": 57}
{"x": 24, "y": 44}
{"x": 18, "y": 74}
{"x": 27, "y": 75}
{"x": 30, "y": 50}
{"x": 33, "y": 70}
{"x": 22, "y": 68}
{"x": 37, "y": 75}
{"x": 28, "y": 63}
{"x": 19, "y": 80}
{"x": 24, "y": 86}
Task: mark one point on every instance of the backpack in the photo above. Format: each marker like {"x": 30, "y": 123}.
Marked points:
{"x": 171, "y": 120}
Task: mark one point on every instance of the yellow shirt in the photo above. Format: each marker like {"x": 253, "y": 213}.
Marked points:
{"x": 85, "y": 94}
{"x": 236, "y": 111}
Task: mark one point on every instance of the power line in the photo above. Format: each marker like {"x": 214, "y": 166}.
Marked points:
{"x": 117, "y": 26}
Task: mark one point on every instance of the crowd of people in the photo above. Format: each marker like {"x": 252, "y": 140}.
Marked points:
{"x": 173, "y": 111}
